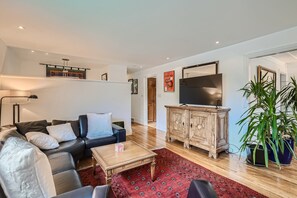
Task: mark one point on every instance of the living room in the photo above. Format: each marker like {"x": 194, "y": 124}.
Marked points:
{"x": 113, "y": 42}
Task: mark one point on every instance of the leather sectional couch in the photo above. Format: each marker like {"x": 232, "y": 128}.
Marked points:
{"x": 63, "y": 158}
{"x": 79, "y": 147}
{"x": 67, "y": 181}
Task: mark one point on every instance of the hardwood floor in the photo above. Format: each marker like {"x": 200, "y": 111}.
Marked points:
{"x": 271, "y": 181}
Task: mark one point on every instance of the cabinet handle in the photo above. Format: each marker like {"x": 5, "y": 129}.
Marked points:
{"x": 183, "y": 124}
{"x": 191, "y": 125}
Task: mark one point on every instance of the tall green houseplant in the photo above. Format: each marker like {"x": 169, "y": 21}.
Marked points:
{"x": 270, "y": 118}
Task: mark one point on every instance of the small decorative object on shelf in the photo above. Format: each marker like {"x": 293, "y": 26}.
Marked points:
{"x": 119, "y": 147}
{"x": 104, "y": 77}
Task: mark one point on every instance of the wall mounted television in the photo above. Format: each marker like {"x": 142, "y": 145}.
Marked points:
{"x": 202, "y": 90}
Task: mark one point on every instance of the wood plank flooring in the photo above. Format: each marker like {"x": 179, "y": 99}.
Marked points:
{"x": 271, "y": 181}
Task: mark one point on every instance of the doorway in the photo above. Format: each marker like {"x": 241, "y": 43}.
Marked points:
{"x": 151, "y": 102}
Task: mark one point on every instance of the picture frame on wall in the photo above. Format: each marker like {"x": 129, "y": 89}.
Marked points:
{"x": 200, "y": 70}
{"x": 104, "y": 77}
{"x": 169, "y": 81}
{"x": 54, "y": 71}
{"x": 134, "y": 86}
{"x": 266, "y": 74}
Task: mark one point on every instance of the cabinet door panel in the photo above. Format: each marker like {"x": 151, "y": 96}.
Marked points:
{"x": 200, "y": 128}
{"x": 177, "y": 122}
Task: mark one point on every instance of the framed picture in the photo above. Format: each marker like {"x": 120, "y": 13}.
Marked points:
{"x": 104, "y": 77}
{"x": 169, "y": 81}
{"x": 200, "y": 70}
{"x": 54, "y": 71}
{"x": 266, "y": 74}
{"x": 134, "y": 86}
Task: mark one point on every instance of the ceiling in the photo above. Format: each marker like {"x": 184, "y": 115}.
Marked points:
{"x": 138, "y": 32}
{"x": 52, "y": 58}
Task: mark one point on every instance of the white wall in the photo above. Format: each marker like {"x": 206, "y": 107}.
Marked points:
{"x": 12, "y": 64}
{"x": 69, "y": 98}
{"x": 234, "y": 61}
{"x": 62, "y": 98}
{"x": 3, "y": 50}
{"x": 21, "y": 65}
{"x": 292, "y": 70}
{"x": 117, "y": 73}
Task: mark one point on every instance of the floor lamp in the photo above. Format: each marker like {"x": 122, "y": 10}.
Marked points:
{"x": 16, "y": 107}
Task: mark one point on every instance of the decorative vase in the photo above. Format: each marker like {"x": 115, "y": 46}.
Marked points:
{"x": 286, "y": 157}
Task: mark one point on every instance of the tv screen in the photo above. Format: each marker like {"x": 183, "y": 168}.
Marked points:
{"x": 202, "y": 90}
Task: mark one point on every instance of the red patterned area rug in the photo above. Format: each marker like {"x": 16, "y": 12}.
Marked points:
{"x": 172, "y": 179}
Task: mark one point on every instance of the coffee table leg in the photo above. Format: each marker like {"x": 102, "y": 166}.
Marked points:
{"x": 94, "y": 165}
{"x": 153, "y": 165}
{"x": 108, "y": 177}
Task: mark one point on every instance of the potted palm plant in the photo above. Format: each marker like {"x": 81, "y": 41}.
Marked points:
{"x": 270, "y": 120}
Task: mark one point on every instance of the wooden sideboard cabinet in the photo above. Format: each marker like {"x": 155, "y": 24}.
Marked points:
{"x": 200, "y": 126}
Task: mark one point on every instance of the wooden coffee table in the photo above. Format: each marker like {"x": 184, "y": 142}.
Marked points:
{"x": 113, "y": 162}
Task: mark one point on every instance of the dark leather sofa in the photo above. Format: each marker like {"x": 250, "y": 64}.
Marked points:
{"x": 67, "y": 181}
{"x": 79, "y": 147}
{"x": 201, "y": 189}
{"x": 119, "y": 135}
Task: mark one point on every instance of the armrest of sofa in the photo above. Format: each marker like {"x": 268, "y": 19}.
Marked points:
{"x": 201, "y": 189}
{"x": 86, "y": 192}
{"x": 119, "y": 132}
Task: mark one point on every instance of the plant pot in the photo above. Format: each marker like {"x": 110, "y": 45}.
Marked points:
{"x": 259, "y": 157}
{"x": 286, "y": 157}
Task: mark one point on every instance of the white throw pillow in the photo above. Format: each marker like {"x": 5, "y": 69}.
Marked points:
{"x": 99, "y": 125}
{"x": 42, "y": 140}
{"x": 25, "y": 171}
{"x": 61, "y": 132}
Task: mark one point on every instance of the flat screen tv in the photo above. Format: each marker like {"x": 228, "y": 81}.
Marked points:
{"x": 202, "y": 90}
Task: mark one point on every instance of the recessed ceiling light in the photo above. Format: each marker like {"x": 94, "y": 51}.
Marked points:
{"x": 167, "y": 58}
{"x": 21, "y": 27}
{"x": 217, "y": 42}
{"x": 140, "y": 66}
{"x": 46, "y": 53}
{"x": 32, "y": 51}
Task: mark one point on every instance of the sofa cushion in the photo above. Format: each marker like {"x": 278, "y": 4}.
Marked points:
{"x": 90, "y": 143}
{"x": 74, "y": 125}
{"x": 25, "y": 171}
{"x": 42, "y": 140}
{"x": 67, "y": 181}
{"x": 4, "y": 135}
{"x": 75, "y": 147}
{"x": 61, "y": 162}
{"x": 99, "y": 125}
{"x": 38, "y": 126}
{"x": 61, "y": 132}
